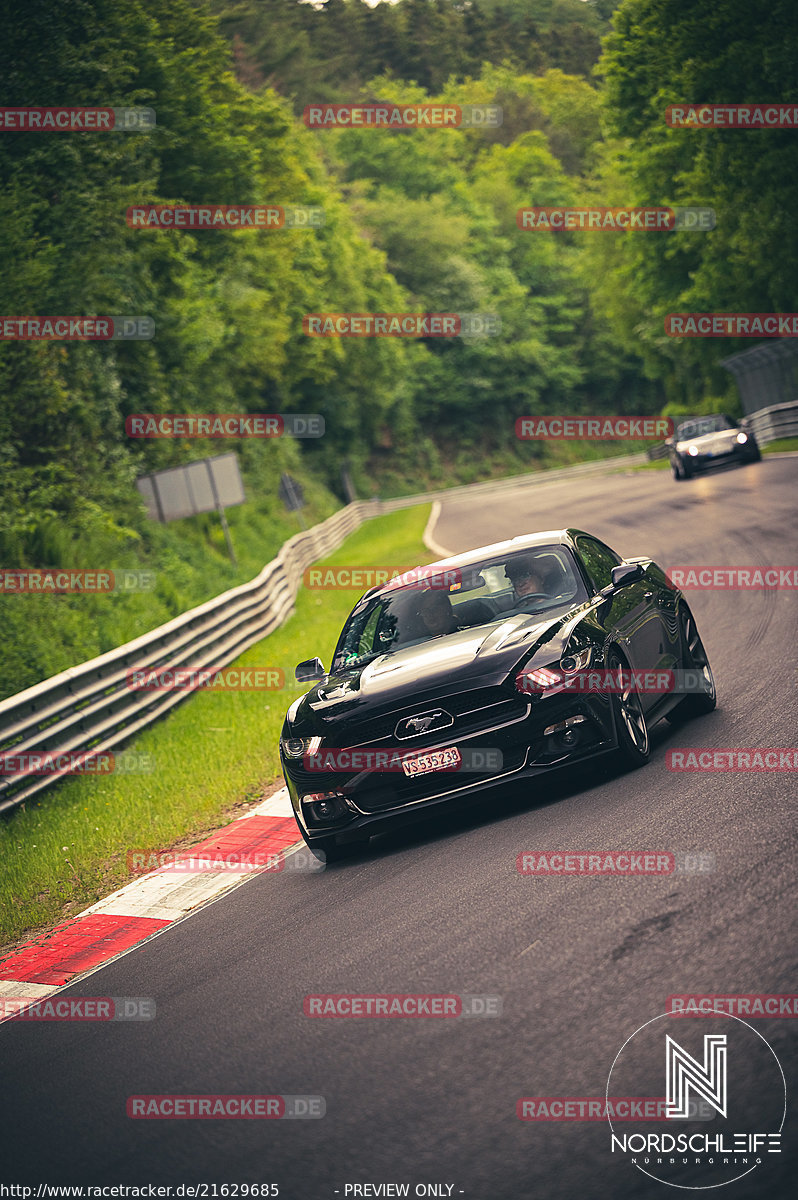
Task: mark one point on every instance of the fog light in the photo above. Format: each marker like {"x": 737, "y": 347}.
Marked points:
{"x": 564, "y": 726}
{"x": 325, "y": 806}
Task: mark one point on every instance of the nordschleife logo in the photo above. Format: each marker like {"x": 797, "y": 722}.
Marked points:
{"x": 730, "y": 1073}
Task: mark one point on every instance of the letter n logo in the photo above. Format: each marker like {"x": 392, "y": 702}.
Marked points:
{"x": 683, "y": 1072}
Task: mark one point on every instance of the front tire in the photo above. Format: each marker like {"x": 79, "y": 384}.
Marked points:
{"x": 333, "y": 850}
{"x": 630, "y": 722}
{"x": 694, "y": 658}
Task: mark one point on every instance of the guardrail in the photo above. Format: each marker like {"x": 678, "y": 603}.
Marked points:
{"x": 91, "y": 709}
{"x": 768, "y": 425}
{"x": 778, "y": 421}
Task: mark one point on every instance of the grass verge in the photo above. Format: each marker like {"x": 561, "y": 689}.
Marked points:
{"x": 212, "y": 755}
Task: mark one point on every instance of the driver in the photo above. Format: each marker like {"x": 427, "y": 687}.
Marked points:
{"x": 527, "y": 576}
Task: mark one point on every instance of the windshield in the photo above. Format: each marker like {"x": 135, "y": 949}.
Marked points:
{"x": 703, "y": 425}
{"x": 541, "y": 580}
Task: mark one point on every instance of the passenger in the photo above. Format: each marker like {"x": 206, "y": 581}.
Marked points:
{"x": 437, "y": 615}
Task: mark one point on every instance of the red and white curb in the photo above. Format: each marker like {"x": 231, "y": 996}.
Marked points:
{"x": 147, "y": 905}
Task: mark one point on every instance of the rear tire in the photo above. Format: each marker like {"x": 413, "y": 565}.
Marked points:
{"x": 630, "y": 722}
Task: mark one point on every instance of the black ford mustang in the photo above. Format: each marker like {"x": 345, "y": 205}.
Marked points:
{"x": 494, "y": 666}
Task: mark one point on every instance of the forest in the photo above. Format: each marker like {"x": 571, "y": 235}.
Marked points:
{"x": 421, "y": 221}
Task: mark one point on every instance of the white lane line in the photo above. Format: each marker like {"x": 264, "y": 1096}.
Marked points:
{"x": 278, "y": 805}
{"x": 427, "y": 536}
{"x": 167, "y": 894}
{"x": 11, "y": 988}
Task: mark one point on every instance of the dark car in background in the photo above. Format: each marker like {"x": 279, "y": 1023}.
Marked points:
{"x": 705, "y": 442}
{"x": 461, "y": 679}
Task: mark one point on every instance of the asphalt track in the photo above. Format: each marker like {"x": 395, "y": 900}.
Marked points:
{"x": 579, "y": 963}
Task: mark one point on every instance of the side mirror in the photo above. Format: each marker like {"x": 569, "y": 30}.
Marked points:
{"x": 622, "y": 576}
{"x": 310, "y": 670}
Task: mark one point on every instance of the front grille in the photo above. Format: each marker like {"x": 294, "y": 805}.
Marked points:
{"x": 474, "y": 712}
{"x": 391, "y": 790}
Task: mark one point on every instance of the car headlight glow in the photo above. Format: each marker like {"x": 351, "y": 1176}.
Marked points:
{"x": 299, "y": 747}
{"x": 692, "y": 450}
{"x": 742, "y": 438}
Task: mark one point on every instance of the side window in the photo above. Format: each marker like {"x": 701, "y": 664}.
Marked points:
{"x": 367, "y": 636}
{"x": 598, "y": 561}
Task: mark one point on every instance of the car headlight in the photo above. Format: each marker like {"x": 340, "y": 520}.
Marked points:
{"x": 692, "y": 450}
{"x": 742, "y": 438}
{"x": 555, "y": 676}
{"x": 299, "y": 747}
{"x": 576, "y": 660}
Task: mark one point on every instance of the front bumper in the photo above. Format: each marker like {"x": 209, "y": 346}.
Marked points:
{"x": 738, "y": 453}
{"x": 371, "y": 800}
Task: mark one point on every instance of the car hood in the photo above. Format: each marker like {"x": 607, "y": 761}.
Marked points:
{"x": 479, "y": 657}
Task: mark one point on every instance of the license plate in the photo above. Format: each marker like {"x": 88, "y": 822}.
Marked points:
{"x": 436, "y": 760}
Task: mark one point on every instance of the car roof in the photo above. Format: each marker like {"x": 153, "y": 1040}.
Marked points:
{"x": 524, "y": 541}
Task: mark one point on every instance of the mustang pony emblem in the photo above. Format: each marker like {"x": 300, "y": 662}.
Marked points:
{"x": 438, "y": 719}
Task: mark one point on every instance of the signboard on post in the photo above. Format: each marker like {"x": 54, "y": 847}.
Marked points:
{"x": 208, "y": 485}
